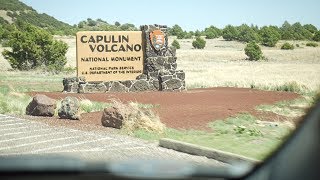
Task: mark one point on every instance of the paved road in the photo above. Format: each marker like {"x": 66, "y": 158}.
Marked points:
{"x": 21, "y": 136}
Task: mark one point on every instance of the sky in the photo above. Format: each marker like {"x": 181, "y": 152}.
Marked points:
{"x": 190, "y": 15}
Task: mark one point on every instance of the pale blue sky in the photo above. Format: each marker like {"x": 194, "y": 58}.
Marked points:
{"x": 190, "y": 15}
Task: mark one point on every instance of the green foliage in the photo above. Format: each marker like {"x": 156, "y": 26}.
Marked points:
{"x": 287, "y": 46}
{"x": 296, "y": 31}
{"x": 247, "y": 34}
{"x": 198, "y": 33}
{"x": 230, "y": 33}
{"x": 212, "y": 32}
{"x": 316, "y": 37}
{"x": 269, "y": 36}
{"x": 33, "y": 47}
{"x": 176, "y": 30}
{"x": 253, "y": 51}
{"x": 128, "y": 27}
{"x": 117, "y": 23}
{"x": 14, "y": 5}
{"x": 311, "y": 28}
{"x": 199, "y": 43}
{"x": 175, "y": 44}
{"x": 312, "y": 44}
{"x": 91, "y": 22}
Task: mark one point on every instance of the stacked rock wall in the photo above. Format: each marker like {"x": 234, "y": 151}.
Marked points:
{"x": 160, "y": 70}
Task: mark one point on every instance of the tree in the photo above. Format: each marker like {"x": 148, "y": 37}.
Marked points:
{"x": 230, "y": 33}
{"x": 81, "y": 24}
{"x": 198, "y": 33}
{"x": 91, "y": 22}
{"x": 33, "y": 47}
{"x": 175, "y": 44}
{"x": 311, "y": 28}
{"x": 286, "y": 31}
{"x": 212, "y": 32}
{"x": 117, "y": 23}
{"x": 253, "y": 51}
{"x": 269, "y": 36}
{"x": 247, "y": 34}
{"x": 128, "y": 27}
{"x": 176, "y": 30}
{"x": 199, "y": 43}
{"x": 316, "y": 37}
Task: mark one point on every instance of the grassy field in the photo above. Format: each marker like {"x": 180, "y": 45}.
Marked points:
{"x": 222, "y": 63}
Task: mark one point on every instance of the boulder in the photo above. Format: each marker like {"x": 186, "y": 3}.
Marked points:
{"x": 117, "y": 87}
{"x": 41, "y": 105}
{"x": 70, "y": 108}
{"x": 140, "y": 85}
{"x": 111, "y": 117}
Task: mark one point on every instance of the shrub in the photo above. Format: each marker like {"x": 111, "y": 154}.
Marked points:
{"x": 269, "y": 36}
{"x": 212, "y": 32}
{"x": 316, "y": 37}
{"x": 33, "y": 47}
{"x": 230, "y": 33}
{"x": 312, "y": 44}
{"x": 253, "y": 51}
{"x": 175, "y": 44}
{"x": 247, "y": 34}
{"x": 287, "y": 46}
{"x": 199, "y": 43}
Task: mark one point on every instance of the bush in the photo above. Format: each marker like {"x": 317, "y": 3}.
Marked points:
{"x": 316, "y": 37}
{"x": 230, "y": 33}
{"x": 199, "y": 43}
{"x": 312, "y": 44}
{"x": 253, "y": 51}
{"x": 175, "y": 44}
{"x": 287, "y": 46}
{"x": 33, "y": 47}
{"x": 269, "y": 36}
{"x": 247, "y": 34}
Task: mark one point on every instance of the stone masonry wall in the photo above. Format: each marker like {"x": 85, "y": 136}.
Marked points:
{"x": 160, "y": 71}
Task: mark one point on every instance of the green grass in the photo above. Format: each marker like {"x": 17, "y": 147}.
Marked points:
{"x": 291, "y": 108}
{"x": 92, "y": 106}
{"x": 241, "y": 134}
{"x": 32, "y": 81}
{"x": 14, "y": 85}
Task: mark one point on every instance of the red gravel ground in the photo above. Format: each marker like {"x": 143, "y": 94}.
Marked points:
{"x": 192, "y": 109}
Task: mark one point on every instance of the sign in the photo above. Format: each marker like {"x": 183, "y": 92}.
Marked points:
{"x": 109, "y": 55}
{"x": 157, "y": 39}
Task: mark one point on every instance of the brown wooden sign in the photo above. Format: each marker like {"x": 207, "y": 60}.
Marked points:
{"x": 109, "y": 55}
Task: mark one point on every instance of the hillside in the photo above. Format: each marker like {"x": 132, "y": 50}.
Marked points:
{"x": 12, "y": 11}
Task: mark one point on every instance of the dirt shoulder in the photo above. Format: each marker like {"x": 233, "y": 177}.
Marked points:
{"x": 192, "y": 109}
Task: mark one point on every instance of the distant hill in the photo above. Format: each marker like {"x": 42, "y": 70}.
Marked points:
{"x": 12, "y": 11}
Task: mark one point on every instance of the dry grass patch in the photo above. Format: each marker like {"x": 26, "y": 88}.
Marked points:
{"x": 137, "y": 117}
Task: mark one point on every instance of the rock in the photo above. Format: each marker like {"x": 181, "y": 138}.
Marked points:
{"x": 94, "y": 88}
{"x": 142, "y": 76}
{"x": 70, "y": 108}
{"x": 140, "y": 85}
{"x": 41, "y": 105}
{"x": 111, "y": 117}
{"x": 181, "y": 75}
{"x": 117, "y": 87}
{"x": 127, "y": 83}
{"x": 165, "y": 78}
{"x": 155, "y": 85}
{"x": 173, "y": 84}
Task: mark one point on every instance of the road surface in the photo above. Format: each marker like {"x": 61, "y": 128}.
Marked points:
{"x": 24, "y": 137}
